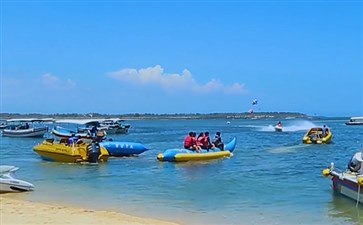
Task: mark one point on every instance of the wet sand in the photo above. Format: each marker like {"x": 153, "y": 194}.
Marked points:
{"x": 14, "y": 211}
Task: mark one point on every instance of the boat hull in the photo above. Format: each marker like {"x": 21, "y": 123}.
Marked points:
{"x": 123, "y": 129}
{"x": 32, "y": 132}
{"x": 15, "y": 185}
{"x": 184, "y": 155}
{"x": 61, "y": 152}
{"x": 347, "y": 185}
{"x": 8, "y": 182}
{"x": 354, "y": 123}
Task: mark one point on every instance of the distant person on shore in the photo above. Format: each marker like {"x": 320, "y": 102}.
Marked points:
{"x": 217, "y": 141}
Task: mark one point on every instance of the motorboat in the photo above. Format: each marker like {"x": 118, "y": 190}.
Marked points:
{"x": 117, "y": 125}
{"x": 89, "y": 128}
{"x": 357, "y": 120}
{"x": 184, "y": 155}
{"x": 122, "y": 148}
{"x": 63, "y": 132}
{"x": 71, "y": 150}
{"x": 8, "y": 182}
{"x": 348, "y": 182}
{"x": 316, "y": 135}
{"x": 25, "y": 128}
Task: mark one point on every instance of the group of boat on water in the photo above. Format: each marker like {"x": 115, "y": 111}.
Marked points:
{"x": 32, "y": 127}
{"x": 89, "y": 144}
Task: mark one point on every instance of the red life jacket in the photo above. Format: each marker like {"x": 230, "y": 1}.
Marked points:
{"x": 200, "y": 141}
{"x": 194, "y": 141}
{"x": 206, "y": 141}
{"x": 188, "y": 141}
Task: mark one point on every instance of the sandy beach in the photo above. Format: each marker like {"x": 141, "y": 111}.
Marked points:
{"x": 15, "y": 211}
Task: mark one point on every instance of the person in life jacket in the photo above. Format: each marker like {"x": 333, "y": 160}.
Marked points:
{"x": 200, "y": 140}
{"x": 190, "y": 142}
{"x": 206, "y": 142}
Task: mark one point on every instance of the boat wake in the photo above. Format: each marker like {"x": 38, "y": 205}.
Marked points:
{"x": 287, "y": 149}
{"x": 289, "y": 126}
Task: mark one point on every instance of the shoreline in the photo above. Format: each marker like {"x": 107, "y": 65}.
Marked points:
{"x": 147, "y": 116}
{"x": 18, "y": 211}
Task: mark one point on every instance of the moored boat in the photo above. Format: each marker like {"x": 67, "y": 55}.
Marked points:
{"x": 316, "y": 135}
{"x": 87, "y": 128}
{"x": 25, "y": 128}
{"x": 62, "y": 132}
{"x": 8, "y": 182}
{"x": 67, "y": 151}
{"x": 183, "y": 155}
{"x": 349, "y": 182}
{"x": 116, "y": 125}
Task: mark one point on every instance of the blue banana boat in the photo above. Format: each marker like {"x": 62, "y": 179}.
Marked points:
{"x": 121, "y": 148}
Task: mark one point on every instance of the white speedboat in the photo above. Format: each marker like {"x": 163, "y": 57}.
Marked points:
{"x": 357, "y": 120}
{"x": 8, "y": 182}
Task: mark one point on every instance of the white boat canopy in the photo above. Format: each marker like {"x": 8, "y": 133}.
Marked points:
{"x": 30, "y": 120}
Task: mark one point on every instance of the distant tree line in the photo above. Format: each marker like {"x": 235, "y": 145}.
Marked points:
{"x": 156, "y": 115}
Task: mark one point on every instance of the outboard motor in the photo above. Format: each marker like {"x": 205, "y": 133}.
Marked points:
{"x": 94, "y": 152}
{"x": 355, "y": 163}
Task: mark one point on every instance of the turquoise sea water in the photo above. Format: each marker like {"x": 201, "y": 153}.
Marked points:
{"x": 272, "y": 177}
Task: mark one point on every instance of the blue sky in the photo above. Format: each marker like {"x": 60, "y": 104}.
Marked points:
{"x": 119, "y": 57}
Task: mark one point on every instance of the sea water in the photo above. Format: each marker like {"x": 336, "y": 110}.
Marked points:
{"x": 272, "y": 178}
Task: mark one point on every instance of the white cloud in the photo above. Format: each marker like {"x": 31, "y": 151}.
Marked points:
{"x": 171, "y": 82}
{"x": 49, "y": 79}
{"x": 54, "y": 82}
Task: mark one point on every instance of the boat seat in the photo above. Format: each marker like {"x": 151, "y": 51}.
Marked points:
{"x": 50, "y": 140}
